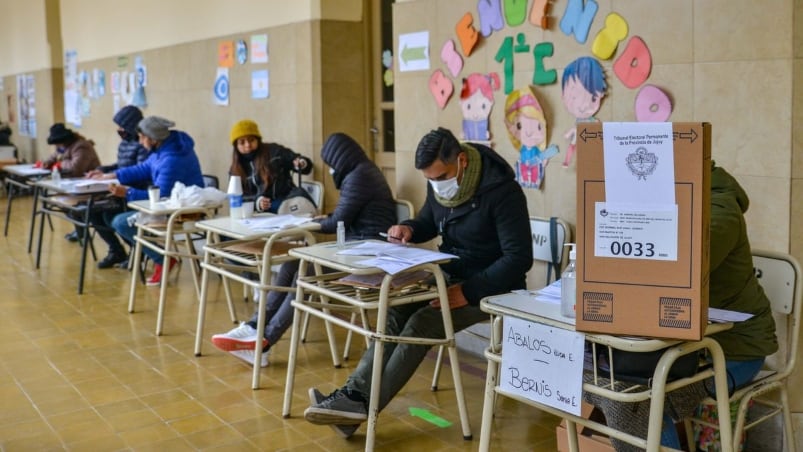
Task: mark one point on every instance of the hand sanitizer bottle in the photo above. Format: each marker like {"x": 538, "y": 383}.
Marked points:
{"x": 55, "y": 174}
{"x": 568, "y": 285}
{"x": 341, "y": 234}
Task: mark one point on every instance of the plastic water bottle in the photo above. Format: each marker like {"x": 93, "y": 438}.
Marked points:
{"x": 55, "y": 174}
{"x": 235, "y": 193}
{"x": 341, "y": 234}
{"x": 568, "y": 285}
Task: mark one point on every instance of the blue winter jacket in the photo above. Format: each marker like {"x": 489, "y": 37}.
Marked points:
{"x": 173, "y": 161}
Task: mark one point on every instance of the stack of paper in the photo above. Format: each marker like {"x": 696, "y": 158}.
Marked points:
{"x": 394, "y": 258}
{"x": 87, "y": 185}
{"x": 275, "y": 222}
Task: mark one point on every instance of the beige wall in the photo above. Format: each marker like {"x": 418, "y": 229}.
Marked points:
{"x": 148, "y": 24}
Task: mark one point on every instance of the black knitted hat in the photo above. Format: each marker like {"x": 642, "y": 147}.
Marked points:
{"x": 60, "y": 134}
{"x": 128, "y": 117}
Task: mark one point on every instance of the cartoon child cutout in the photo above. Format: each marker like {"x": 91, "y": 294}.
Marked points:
{"x": 476, "y": 100}
{"x": 527, "y": 130}
{"x": 583, "y": 86}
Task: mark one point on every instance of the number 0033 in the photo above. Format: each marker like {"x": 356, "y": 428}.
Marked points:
{"x": 635, "y": 249}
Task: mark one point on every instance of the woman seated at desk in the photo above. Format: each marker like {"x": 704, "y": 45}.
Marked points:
{"x": 366, "y": 208}
{"x": 264, "y": 168}
{"x": 733, "y": 285}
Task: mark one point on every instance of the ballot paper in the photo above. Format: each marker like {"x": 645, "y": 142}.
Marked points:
{"x": 393, "y": 258}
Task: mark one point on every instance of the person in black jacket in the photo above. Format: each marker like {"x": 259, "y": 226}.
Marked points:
{"x": 129, "y": 153}
{"x": 366, "y": 208}
{"x": 264, "y": 168}
{"x": 479, "y": 210}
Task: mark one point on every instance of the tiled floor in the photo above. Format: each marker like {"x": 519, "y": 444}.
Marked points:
{"x": 78, "y": 372}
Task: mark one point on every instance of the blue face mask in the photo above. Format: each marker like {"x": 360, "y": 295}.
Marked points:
{"x": 61, "y": 149}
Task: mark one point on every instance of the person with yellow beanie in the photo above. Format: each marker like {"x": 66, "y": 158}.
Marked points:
{"x": 264, "y": 168}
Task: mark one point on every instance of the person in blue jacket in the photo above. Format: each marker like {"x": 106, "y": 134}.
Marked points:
{"x": 172, "y": 159}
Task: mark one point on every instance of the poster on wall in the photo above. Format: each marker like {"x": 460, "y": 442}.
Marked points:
{"x": 72, "y": 99}
{"x": 26, "y": 105}
{"x": 259, "y": 48}
{"x": 225, "y": 54}
{"x": 260, "y": 84}
{"x": 220, "y": 92}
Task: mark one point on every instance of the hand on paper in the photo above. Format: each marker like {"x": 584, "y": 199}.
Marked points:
{"x": 400, "y": 234}
{"x": 94, "y": 174}
{"x": 456, "y": 298}
{"x": 263, "y": 203}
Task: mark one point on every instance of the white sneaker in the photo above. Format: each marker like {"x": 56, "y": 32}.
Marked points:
{"x": 243, "y": 337}
{"x": 255, "y": 295}
{"x": 248, "y": 356}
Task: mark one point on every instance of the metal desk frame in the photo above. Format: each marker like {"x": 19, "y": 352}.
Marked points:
{"x": 547, "y": 314}
{"x": 380, "y": 300}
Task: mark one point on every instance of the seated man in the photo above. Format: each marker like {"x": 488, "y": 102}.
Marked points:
{"x": 475, "y": 204}
{"x": 172, "y": 159}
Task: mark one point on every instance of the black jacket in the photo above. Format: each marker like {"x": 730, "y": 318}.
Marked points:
{"x": 490, "y": 232}
{"x": 366, "y": 203}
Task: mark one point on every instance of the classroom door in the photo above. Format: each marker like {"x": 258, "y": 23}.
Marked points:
{"x": 382, "y": 136}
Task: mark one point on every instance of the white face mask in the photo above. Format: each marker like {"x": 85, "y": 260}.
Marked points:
{"x": 332, "y": 171}
{"x": 446, "y": 189}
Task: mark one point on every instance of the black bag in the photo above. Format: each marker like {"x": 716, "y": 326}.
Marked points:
{"x": 639, "y": 367}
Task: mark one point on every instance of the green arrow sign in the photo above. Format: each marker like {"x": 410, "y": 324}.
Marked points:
{"x": 429, "y": 417}
{"x": 413, "y": 53}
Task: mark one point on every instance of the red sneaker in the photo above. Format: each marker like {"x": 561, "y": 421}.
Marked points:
{"x": 156, "y": 277}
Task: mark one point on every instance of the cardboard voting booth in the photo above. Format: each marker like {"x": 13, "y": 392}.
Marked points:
{"x": 643, "y": 216}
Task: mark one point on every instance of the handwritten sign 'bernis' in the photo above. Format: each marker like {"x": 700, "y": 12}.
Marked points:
{"x": 543, "y": 364}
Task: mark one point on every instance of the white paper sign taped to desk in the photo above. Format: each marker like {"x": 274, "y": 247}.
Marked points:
{"x": 543, "y": 364}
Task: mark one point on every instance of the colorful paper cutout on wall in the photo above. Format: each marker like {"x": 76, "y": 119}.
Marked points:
{"x": 451, "y": 58}
{"x": 634, "y": 65}
{"x": 414, "y": 51}
{"x": 527, "y": 129}
{"x": 259, "y": 48}
{"x": 583, "y": 87}
{"x": 441, "y": 88}
{"x": 220, "y": 92}
{"x": 225, "y": 54}
{"x": 539, "y": 14}
{"x": 241, "y": 50}
{"x": 387, "y": 63}
{"x": 467, "y": 34}
{"x": 652, "y": 104}
{"x": 614, "y": 31}
{"x": 260, "y": 84}
{"x": 542, "y": 76}
{"x": 476, "y": 101}
{"x": 515, "y": 12}
{"x": 490, "y": 12}
{"x": 577, "y": 18}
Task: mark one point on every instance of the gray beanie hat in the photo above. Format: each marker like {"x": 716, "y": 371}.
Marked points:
{"x": 155, "y": 127}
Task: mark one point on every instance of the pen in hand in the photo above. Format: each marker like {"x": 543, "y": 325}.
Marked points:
{"x": 385, "y": 235}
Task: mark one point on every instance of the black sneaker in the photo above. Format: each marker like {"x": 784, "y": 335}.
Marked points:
{"x": 72, "y": 236}
{"x": 338, "y": 409}
{"x": 111, "y": 260}
{"x": 345, "y": 431}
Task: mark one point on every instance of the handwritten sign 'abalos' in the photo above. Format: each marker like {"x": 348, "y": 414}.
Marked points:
{"x": 543, "y": 364}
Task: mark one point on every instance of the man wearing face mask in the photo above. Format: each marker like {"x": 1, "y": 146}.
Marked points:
{"x": 129, "y": 153}
{"x": 479, "y": 210}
